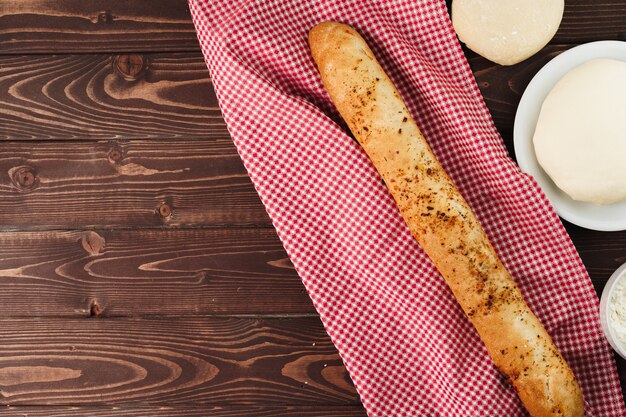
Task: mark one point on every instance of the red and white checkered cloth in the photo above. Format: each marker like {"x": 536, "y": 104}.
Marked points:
{"x": 404, "y": 340}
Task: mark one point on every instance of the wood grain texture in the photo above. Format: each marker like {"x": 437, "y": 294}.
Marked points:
{"x": 114, "y": 184}
{"x": 213, "y": 361}
{"x": 601, "y": 252}
{"x": 42, "y": 98}
{"x": 621, "y": 371}
{"x": 211, "y": 271}
{"x": 184, "y": 411}
{"x": 148, "y": 272}
{"x": 107, "y": 97}
{"x": 45, "y": 26}
{"x": 592, "y": 20}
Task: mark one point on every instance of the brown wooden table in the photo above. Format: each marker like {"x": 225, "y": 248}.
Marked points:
{"x": 139, "y": 273}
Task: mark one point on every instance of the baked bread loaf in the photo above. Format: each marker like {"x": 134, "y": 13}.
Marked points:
{"x": 443, "y": 223}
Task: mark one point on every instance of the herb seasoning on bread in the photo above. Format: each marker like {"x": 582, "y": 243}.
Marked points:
{"x": 443, "y": 222}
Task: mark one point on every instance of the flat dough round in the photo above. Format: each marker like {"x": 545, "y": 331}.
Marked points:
{"x": 580, "y": 138}
{"x": 506, "y": 31}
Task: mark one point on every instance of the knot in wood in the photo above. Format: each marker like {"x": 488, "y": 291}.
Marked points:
{"x": 95, "y": 310}
{"x": 24, "y": 177}
{"x": 115, "y": 155}
{"x": 130, "y": 66}
{"x": 202, "y": 277}
{"x": 165, "y": 210}
{"x": 93, "y": 243}
{"x": 105, "y": 17}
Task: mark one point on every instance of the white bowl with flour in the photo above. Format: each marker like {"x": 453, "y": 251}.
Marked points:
{"x": 613, "y": 310}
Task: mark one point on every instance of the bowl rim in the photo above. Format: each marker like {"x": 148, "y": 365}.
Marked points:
{"x": 605, "y": 317}
{"x": 530, "y": 106}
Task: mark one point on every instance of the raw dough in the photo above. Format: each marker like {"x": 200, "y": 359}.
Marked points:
{"x": 580, "y": 138}
{"x": 506, "y": 31}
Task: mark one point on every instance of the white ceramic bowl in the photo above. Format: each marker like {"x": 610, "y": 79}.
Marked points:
{"x": 591, "y": 216}
{"x": 607, "y": 293}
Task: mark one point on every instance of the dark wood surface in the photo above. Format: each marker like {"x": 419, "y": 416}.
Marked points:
{"x": 140, "y": 273}
{"x": 148, "y": 272}
{"x": 87, "y": 26}
{"x": 121, "y": 184}
{"x": 186, "y": 411}
{"x": 169, "y": 361}
{"x": 118, "y": 96}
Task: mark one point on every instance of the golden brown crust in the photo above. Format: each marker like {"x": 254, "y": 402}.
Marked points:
{"x": 443, "y": 223}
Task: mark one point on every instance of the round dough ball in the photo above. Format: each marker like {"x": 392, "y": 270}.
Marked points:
{"x": 506, "y": 31}
{"x": 580, "y": 138}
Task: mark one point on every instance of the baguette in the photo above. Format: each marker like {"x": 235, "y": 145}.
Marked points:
{"x": 443, "y": 223}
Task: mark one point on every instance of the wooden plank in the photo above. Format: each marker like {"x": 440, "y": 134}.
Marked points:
{"x": 185, "y": 411}
{"x": 216, "y": 361}
{"x": 601, "y": 252}
{"x": 107, "y": 97}
{"x": 148, "y": 272}
{"x": 621, "y": 371}
{"x": 42, "y": 98}
{"x": 124, "y": 184}
{"x": 170, "y": 272}
{"x": 592, "y": 20}
{"x": 50, "y": 26}
{"x": 211, "y": 361}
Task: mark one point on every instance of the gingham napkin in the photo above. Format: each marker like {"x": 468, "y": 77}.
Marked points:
{"x": 405, "y": 341}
